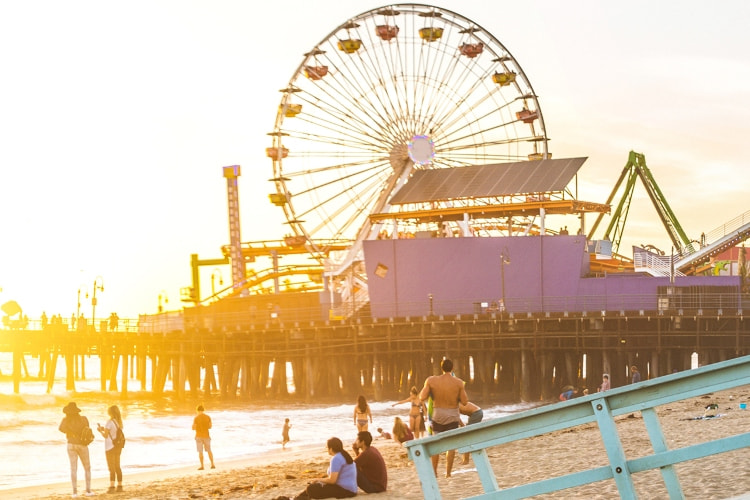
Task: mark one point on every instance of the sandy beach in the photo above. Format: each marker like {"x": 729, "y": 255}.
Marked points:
{"x": 286, "y": 472}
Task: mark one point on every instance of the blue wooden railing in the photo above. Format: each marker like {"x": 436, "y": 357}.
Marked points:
{"x": 599, "y": 408}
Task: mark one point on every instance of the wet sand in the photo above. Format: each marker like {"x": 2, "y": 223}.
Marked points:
{"x": 286, "y": 472}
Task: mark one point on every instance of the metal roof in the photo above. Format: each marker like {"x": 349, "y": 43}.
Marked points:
{"x": 486, "y": 181}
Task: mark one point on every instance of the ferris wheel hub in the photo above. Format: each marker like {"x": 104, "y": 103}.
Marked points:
{"x": 421, "y": 149}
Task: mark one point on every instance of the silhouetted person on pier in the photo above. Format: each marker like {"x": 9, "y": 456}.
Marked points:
{"x": 114, "y": 322}
{"x": 201, "y": 425}
{"x": 44, "y": 320}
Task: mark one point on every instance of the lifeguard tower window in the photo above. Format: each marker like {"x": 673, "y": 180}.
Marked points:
{"x": 485, "y": 181}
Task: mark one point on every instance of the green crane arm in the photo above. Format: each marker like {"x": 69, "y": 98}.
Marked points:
{"x": 635, "y": 169}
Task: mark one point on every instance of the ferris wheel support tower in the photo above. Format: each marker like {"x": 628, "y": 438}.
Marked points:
{"x": 231, "y": 174}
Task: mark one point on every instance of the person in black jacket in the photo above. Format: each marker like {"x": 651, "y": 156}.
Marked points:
{"x": 72, "y": 425}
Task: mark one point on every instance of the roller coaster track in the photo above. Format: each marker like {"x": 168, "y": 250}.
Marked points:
{"x": 722, "y": 238}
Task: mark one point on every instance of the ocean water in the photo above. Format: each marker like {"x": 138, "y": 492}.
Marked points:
{"x": 158, "y": 430}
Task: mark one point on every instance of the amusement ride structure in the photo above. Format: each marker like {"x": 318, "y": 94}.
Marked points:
{"x": 411, "y": 122}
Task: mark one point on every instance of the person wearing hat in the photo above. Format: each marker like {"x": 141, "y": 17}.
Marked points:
{"x": 72, "y": 425}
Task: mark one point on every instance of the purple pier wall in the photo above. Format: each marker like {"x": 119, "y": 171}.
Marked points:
{"x": 418, "y": 277}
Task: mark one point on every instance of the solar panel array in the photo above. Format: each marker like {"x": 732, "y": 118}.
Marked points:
{"x": 487, "y": 181}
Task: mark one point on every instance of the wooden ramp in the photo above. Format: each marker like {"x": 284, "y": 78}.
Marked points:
{"x": 600, "y": 408}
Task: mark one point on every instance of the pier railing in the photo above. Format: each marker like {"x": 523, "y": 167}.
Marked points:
{"x": 600, "y": 408}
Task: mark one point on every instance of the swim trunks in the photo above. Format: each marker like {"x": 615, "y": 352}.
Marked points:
{"x": 445, "y": 419}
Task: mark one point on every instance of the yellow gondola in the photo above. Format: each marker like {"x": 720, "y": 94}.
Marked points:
{"x": 504, "y": 79}
{"x": 290, "y": 110}
{"x": 350, "y": 46}
{"x": 278, "y": 199}
{"x": 430, "y": 34}
{"x": 539, "y": 156}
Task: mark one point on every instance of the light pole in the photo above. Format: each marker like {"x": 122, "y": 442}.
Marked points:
{"x": 163, "y": 297}
{"x": 504, "y": 259}
{"x": 213, "y": 277}
{"x": 98, "y": 284}
{"x": 78, "y": 304}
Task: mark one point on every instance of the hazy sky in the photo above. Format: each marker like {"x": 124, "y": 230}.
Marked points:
{"x": 116, "y": 119}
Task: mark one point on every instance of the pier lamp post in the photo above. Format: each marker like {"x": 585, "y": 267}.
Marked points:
{"x": 504, "y": 260}
{"x": 98, "y": 285}
{"x": 78, "y": 302}
{"x": 213, "y": 277}
{"x": 163, "y": 298}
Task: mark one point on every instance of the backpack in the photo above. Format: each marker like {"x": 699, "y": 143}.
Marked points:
{"x": 119, "y": 439}
{"x": 87, "y": 435}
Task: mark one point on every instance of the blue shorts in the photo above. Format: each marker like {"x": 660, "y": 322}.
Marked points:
{"x": 475, "y": 417}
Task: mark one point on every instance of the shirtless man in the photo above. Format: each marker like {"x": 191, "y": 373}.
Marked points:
{"x": 447, "y": 393}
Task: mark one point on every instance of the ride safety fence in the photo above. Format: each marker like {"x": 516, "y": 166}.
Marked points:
{"x": 600, "y": 409}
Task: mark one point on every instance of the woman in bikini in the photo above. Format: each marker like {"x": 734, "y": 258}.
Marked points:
{"x": 362, "y": 414}
{"x": 416, "y": 412}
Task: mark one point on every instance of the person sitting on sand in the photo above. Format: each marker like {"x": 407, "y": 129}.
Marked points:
{"x": 201, "y": 425}
{"x": 384, "y": 435}
{"x": 401, "y": 431}
{"x": 372, "y": 476}
{"x": 341, "y": 481}
{"x": 568, "y": 392}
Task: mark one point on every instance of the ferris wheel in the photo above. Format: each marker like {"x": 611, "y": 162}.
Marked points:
{"x": 388, "y": 92}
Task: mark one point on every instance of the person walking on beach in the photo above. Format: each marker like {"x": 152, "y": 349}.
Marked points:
{"x": 635, "y": 374}
{"x": 416, "y": 412}
{"x": 201, "y": 425}
{"x": 475, "y": 415}
{"x": 447, "y": 393}
{"x": 112, "y": 452}
{"x": 285, "y": 433}
{"x": 341, "y": 481}
{"x": 605, "y": 383}
{"x": 372, "y": 476}
{"x": 361, "y": 414}
{"x": 72, "y": 425}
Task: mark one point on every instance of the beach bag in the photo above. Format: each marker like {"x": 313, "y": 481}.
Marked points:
{"x": 119, "y": 439}
{"x": 87, "y": 436}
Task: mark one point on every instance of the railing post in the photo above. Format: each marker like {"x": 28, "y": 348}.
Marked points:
{"x": 613, "y": 447}
{"x": 668, "y": 474}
